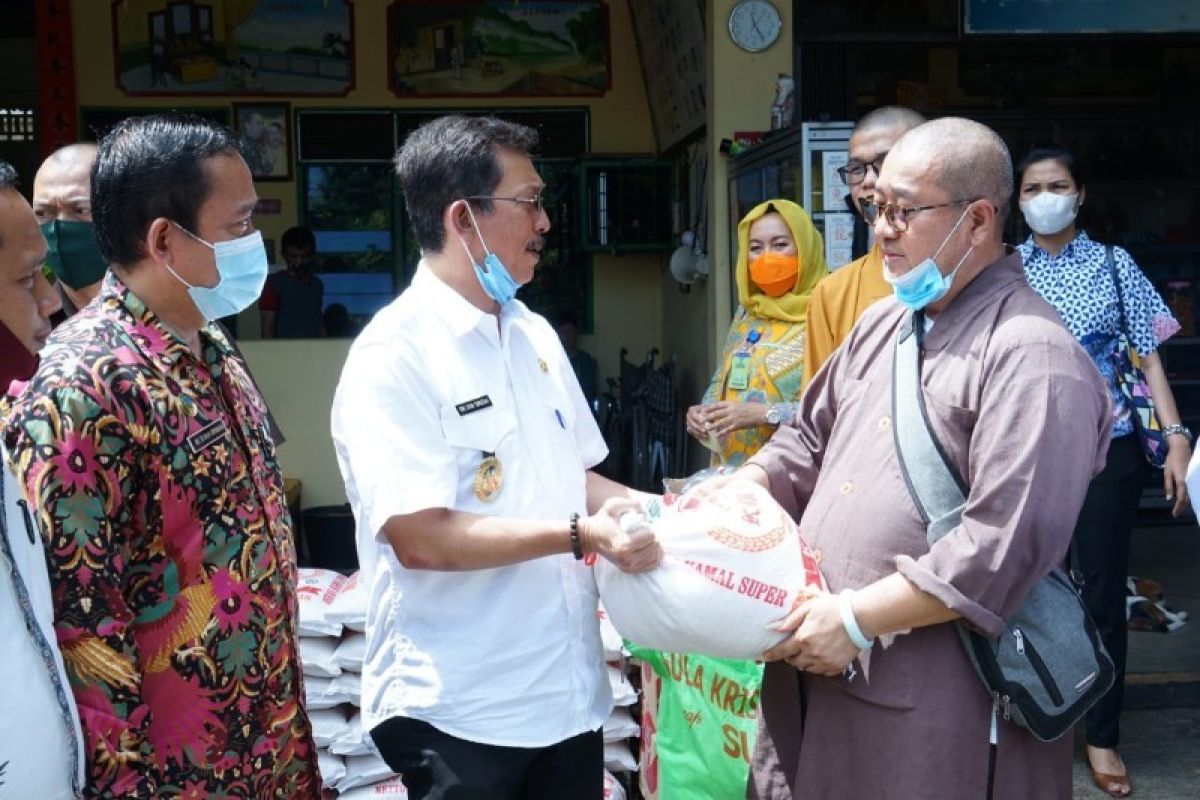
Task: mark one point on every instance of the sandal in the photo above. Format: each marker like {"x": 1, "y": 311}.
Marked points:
{"x": 1106, "y": 782}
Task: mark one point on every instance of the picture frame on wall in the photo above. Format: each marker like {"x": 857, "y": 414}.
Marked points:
{"x": 246, "y": 48}
{"x": 265, "y": 136}
{"x": 498, "y": 48}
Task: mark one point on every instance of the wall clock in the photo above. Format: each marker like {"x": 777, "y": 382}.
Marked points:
{"x": 754, "y": 25}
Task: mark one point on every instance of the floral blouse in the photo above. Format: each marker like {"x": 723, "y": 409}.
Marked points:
{"x": 171, "y": 558}
{"x": 776, "y": 371}
{"x": 1078, "y": 283}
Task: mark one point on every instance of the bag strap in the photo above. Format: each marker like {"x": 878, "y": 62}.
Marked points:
{"x": 1116, "y": 279}
{"x": 938, "y": 490}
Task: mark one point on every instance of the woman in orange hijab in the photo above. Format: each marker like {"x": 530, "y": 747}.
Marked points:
{"x": 781, "y": 257}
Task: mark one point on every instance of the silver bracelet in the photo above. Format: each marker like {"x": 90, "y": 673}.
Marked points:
{"x": 1170, "y": 430}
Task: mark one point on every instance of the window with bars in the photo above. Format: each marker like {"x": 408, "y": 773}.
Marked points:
{"x": 16, "y": 124}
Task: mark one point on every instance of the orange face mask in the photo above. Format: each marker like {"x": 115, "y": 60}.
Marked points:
{"x": 774, "y": 273}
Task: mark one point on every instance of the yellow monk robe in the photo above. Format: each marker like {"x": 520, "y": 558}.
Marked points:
{"x": 837, "y": 303}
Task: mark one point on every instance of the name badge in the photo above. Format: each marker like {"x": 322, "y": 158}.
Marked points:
{"x": 739, "y": 372}
{"x": 471, "y": 406}
{"x": 207, "y": 436}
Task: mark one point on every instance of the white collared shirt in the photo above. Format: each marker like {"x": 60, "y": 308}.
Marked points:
{"x": 506, "y": 656}
{"x": 41, "y": 746}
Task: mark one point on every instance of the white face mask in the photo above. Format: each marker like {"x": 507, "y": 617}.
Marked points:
{"x": 1048, "y": 213}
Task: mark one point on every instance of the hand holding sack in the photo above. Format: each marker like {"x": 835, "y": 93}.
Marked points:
{"x": 733, "y": 564}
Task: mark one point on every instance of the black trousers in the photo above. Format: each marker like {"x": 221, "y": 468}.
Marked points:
{"x": 438, "y": 766}
{"x": 1102, "y": 549}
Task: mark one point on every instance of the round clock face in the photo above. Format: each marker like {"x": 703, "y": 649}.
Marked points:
{"x": 754, "y": 25}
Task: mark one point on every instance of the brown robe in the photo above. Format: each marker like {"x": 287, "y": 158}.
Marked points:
{"x": 1024, "y": 415}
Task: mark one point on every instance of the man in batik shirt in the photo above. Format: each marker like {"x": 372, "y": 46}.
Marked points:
{"x": 142, "y": 444}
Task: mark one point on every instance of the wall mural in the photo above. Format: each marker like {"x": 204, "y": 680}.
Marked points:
{"x": 498, "y": 47}
{"x": 233, "y": 47}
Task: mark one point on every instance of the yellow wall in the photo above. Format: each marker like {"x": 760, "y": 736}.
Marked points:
{"x": 297, "y": 378}
{"x": 741, "y": 87}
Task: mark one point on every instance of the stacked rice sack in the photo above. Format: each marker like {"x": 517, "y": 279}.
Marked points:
{"x": 333, "y": 615}
{"x": 620, "y": 725}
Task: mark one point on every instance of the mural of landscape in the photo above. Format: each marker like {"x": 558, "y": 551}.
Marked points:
{"x": 498, "y": 47}
{"x": 238, "y": 47}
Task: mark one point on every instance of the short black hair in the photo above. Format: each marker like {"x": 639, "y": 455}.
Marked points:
{"x": 1052, "y": 151}
{"x": 8, "y": 176}
{"x": 298, "y": 236}
{"x": 150, "y": 167}
{"x": 451, "y": 158}
{"x": 8, "y": 181}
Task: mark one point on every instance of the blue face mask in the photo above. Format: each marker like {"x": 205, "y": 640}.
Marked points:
{"x": 924, "y": 283}
{"x": 492, "y": 275}
{"x": 241, "y": 269}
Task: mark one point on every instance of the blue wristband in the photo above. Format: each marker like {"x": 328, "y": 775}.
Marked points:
{"x": 850, "y": 623}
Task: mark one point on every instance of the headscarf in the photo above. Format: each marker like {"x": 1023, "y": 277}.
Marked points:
{"x": 810, "y": 252}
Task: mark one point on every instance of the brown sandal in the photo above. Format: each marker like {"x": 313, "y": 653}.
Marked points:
{"x": 1104, "y": 781}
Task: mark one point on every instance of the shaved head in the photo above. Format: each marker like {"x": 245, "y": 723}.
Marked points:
{"x": 965, "y": 158}
{"x": 80, "y": 152}
{"x": 889, "y": 117}
{"x": 62, "y": 187}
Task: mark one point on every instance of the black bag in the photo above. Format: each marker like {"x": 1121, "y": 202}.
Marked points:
{"x": 1049, "y": 666}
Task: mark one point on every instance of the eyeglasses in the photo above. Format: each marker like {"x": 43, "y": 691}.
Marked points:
{"x": 854, "y": 172}
{"x": 534, "y": 202}
{"x": 897, "y": 216}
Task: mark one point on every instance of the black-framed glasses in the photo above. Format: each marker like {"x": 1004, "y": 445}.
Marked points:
{"x": 534, "y": 202}
{"x": 897, "y": 216}
{"x": 853, "y": 173}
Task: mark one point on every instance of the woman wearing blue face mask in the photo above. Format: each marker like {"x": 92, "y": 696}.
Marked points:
{"x": 1075, "y": 275}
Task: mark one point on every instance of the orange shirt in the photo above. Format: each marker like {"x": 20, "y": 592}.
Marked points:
{"x": 837, "y": 303}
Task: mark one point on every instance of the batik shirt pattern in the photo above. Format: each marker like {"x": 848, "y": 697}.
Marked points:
{"x": 1079, "y": 284}
{"x": 171, "y": 558}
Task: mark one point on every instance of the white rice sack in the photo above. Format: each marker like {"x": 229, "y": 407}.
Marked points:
{"x": 350, "y": 684}
{"x": 733, "y": 564}
{"x": 622, "y": 690}
{"x": 620, "y": 725}
{"x": 318, "y": 656}
{"x": 351, "y": 652}
{"x": 364, "y": 770}
{"x": 618, "y": 757}
{"x": 328, "y": 725}
{"x": 614, "y": 648}
{"x": 322, "y": 693}
{"x": 331, "y": 767}
{"x": 350, "y": 606}
{"x": 389, "y": 790}
{"x": 613, "y": 790}
{"x": 354, "y": 741}
{"x": 316, "y": 590}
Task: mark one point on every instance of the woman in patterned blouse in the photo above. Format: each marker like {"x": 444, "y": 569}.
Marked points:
{"x": 781, "y": 258}
{"x": 1072, "y": 273}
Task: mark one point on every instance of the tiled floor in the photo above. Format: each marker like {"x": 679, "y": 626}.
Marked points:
{"x": 1160, "y": 730}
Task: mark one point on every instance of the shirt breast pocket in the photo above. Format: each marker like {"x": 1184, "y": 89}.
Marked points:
{"x": 479, "y": 431}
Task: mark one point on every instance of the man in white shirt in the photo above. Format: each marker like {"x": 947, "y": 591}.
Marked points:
{"x": 41, "y": 750}
{"x": 467, "y": 446}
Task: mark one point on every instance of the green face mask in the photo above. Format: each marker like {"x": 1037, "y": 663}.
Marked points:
{"x": 73, "y": 253}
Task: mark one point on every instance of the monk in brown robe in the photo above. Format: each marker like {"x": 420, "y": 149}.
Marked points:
{"x": 1021, "y": 412}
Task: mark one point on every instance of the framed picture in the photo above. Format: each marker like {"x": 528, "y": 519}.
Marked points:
{"x": 490, "y": 48}
{"x": 281, "y": 48}
{"x": 265, "y": 130}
